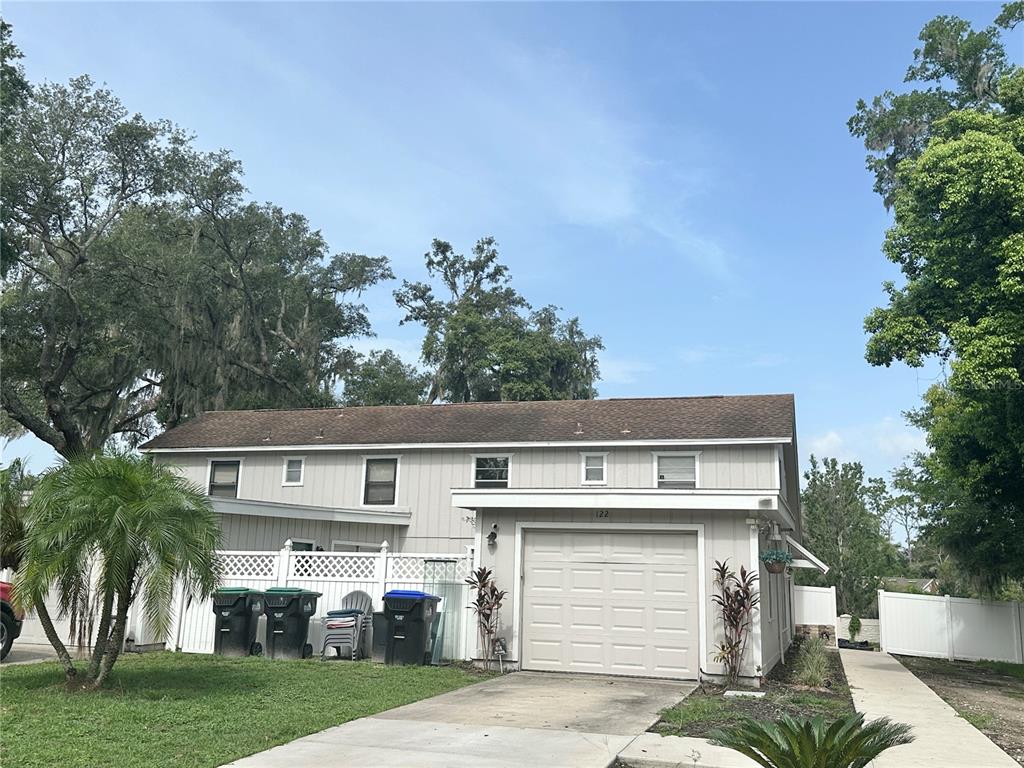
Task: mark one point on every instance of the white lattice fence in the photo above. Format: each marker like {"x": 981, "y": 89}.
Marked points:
{"x": 334, "y": 575}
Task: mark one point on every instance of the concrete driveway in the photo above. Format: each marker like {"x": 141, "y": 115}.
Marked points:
{"x": 522, "y": 719}
{"x": 27, "y": 653}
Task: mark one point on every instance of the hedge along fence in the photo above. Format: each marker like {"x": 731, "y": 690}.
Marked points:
{"x": 945, "y": 627}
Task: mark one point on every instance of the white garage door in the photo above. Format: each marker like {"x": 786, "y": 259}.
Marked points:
{"x": 612, "y": 603}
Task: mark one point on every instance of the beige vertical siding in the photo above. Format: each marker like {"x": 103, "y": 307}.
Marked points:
{"x": 426, "y": 477}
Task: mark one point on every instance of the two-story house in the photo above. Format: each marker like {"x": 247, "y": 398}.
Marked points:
{"x": 602, "y": 519}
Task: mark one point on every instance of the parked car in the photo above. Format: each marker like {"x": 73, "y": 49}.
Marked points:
{"x": 10, "y": 620}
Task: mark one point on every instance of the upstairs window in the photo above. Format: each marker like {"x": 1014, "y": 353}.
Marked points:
{"x": 293, "y": 469}
{"x": 381, "y": 480}
{"x": 593, "y": 468}
{"x": 224, "y": 479}
{"x": 490, "y": 472}
{"x": 676, "y": 470}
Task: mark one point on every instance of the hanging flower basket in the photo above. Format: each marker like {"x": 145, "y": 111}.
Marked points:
{"x": 776, "y": 560}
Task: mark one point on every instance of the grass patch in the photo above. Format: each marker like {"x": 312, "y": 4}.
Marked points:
{"x": 980, "y": 720}
{"x": 1006, "y": 668}
{"x": 164, "y": 709}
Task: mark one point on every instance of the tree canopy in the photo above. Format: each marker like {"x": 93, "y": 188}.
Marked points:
{"x": 381, "y": 378}
{"x": 482, "y": 341}
{"x": 954, "y": 177}
{"x": 844, "y": 529}
{"x": 143, "y": 287}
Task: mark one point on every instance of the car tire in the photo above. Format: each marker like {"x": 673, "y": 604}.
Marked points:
{"x": 6, "y": 635}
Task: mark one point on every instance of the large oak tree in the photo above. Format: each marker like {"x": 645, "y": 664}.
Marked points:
{"x": 954, "y": 177}
{"x": 141, "y": 286}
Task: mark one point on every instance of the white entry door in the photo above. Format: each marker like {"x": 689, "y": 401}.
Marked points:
{"x": 614, "y": 603}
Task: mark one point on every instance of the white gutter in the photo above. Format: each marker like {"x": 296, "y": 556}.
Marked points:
{"x": 811, "y": 560}
{"x": 474, "y": 445}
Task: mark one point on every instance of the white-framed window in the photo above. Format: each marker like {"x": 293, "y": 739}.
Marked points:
{"x": 380, "y": 480}
{"x": 303, "y": 545}
{"x": 676, "y": 469}
{"x": 593, "y": 468}
{"x": 340, "y": 545}
{"x": 492, "y": 471}
{"x": 293, "y": 470}
{"x": 223, "y": 478}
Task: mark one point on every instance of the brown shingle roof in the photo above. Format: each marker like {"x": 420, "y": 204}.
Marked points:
{"x": 671, "y": 418}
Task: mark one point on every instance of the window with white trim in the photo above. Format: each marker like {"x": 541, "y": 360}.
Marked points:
{"x": 353, "y": 546}
{"x": 294, "y": 466}
{"x": 381, "y": 481}
{"x": 490, "y": 471}
{"x": 224, "y": 479}
{"x": 676, "y": 470}
{"x": 303, "y": 545}
{"x": 593, "y": 468}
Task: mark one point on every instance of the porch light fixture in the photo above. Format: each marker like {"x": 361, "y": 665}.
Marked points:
{"x": 492, "y": 537}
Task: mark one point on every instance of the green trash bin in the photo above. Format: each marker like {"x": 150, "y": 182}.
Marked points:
{"x": 288, "y": 610}
{"x": 238, "y": 612}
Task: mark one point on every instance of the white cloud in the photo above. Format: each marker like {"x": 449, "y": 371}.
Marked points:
{"x": 615, "y": 370}
{"x": 879, "y": 445}
{"x": 745, "y": 358}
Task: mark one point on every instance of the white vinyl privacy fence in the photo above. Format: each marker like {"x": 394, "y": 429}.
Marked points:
{"x": 814, "y": 605}
{"x": 951, "y": 627}
{"x": 334, "y": 575}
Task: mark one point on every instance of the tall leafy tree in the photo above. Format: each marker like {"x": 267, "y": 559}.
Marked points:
{"x": 483, "y": 342}
{"x": 142, "y": 287}
{"x": 381, "y": 378}
{"x": 842, "y": 529}
{"x": 957, "y": 194}
{"x": 144, "y": 528}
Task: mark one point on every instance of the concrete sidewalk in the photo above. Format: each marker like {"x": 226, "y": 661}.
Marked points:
{"x": 882, "y": 687}
{"x": 521, "y": 720}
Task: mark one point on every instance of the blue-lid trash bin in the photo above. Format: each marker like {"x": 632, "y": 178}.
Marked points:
{"x": 410, "y": 615}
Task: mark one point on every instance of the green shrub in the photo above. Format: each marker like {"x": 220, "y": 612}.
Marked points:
{"x": 854, "y": 627}
{"x": 812, "y": 663}
{"x": 801, "y": 743}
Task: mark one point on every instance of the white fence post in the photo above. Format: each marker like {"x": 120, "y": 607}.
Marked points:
{"x": 949, "y": 628}
{"x": 881, "y": 620}
{"x": 382, "y": 570}
{"x": 1019, "y": 632}
{"x": 284, "y": 560}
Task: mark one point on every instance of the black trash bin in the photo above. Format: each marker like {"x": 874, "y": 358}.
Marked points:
{"x": 238, "y": 612}
{"x": 410, "y": 615}
{"x": 288, "y": 610}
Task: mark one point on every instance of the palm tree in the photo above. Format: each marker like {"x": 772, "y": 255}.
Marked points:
{"x": 802, "y": 743}
{"x": 129, "y": 525}
{"x": 14, "y": 483}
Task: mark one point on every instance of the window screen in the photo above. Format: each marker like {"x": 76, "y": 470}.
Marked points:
{"x": 677, "y": 471}
{"x": 224, "y": 479}
{"x": 380, "y": 481}
{"x": 293, "y": 471}
{"x": 593, "y": 469}
{"x": 491, "y": 472}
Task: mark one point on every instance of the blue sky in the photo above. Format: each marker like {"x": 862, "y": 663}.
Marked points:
{"x": 678, "y": 175}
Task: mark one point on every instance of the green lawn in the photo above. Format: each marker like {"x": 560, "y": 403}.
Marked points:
{"x": 164, "y": 709}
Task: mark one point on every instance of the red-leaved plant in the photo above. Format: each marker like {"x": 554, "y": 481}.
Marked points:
{"x": 486, "y": 605}
{"x": 737, "y": 598}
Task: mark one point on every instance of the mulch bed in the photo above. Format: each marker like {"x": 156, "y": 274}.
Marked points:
{"x": 707, "y": 708}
